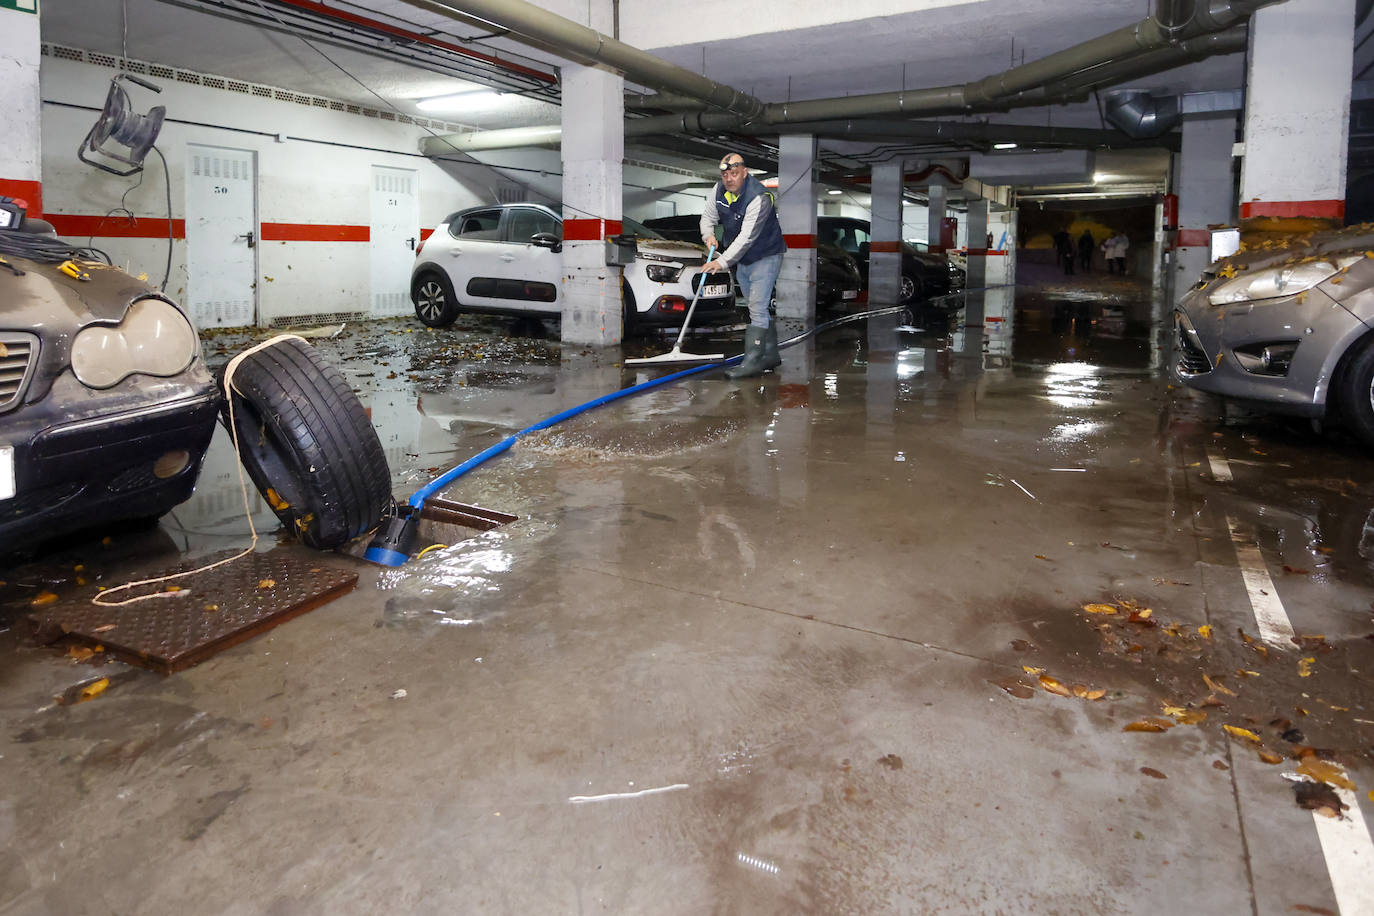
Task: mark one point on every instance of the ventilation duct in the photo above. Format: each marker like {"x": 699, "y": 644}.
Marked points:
{"x": 1140, "y": 115}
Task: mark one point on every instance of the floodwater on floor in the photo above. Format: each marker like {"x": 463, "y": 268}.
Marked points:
{"x": 968, "y": 589}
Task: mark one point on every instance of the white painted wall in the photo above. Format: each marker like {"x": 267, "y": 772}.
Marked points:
{"x": 19, "y": 95}
{"x": 318, "y": 173}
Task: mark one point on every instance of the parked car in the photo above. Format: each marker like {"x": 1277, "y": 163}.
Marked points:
{"x": 838, "y": 279}
{"x": 924, "y": 275}
{"x": 1287, "y": 326}
{"x": 107, "y": 408}
{"x": 507, "y": 260}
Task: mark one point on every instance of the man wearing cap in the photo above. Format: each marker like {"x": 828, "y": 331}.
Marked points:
{"x": 751, "y": 239}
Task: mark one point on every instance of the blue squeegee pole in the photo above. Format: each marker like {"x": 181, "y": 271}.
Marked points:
{"x": 443, "y": 480}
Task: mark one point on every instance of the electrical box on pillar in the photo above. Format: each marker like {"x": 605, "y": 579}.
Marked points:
{"x": 949, "y": 232}
{"x": 118, "y": 124}
{"x": 621, "y": 250}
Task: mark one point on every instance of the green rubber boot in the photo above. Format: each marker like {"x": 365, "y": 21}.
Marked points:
{"x": 772, "y": 359}
{"x": 753, "y": 355}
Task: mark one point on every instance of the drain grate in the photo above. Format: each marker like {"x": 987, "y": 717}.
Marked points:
{"x": 223, "y": 607}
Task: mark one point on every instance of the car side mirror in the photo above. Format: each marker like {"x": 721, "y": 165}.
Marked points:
{"x": 863, "y": 250}
{"x": 547, "y": 240}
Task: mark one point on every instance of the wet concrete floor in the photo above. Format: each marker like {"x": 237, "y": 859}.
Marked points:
{"x": 813, "y": 643}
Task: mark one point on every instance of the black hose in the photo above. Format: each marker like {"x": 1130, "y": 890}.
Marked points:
{"x": 47, "y": 249}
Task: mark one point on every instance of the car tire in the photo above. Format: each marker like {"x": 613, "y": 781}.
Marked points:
{"x": 1356, "y": 391}
{"x": 909, "y": 289}
{"x": 307, "y": 444}
{"x": 435, "y": 303}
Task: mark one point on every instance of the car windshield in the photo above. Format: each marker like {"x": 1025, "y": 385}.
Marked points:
{"x": 639, "y": 229}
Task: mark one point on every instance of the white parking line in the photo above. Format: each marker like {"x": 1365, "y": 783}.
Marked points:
{"x": 1345, "y": 842}
{"x": 1273, "y": 622}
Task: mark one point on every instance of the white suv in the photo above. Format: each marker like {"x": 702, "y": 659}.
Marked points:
{"x": 507, "y": 259}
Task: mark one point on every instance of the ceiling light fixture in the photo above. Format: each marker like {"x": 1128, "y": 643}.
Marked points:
{"x": 834, "y": 191}
{"x": 1004, "y": 145}
{"x": 460, "y": 102}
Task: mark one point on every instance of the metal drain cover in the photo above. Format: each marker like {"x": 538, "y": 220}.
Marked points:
{"x": 220, "y": 608}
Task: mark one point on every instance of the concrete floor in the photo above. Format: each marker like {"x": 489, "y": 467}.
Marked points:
{"x": 752, "y": 648}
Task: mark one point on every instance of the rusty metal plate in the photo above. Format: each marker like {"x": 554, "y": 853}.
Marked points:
{"x": 223, "y": 607}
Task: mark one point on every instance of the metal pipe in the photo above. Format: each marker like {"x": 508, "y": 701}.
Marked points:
{"x": 1150, "y": 42}
{"x": 590, "y": 47}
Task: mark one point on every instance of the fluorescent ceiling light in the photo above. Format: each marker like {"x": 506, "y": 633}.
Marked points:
{"x": 1004, "y": 145}
{"x": 460, "y": 102}
{"x": 835, "y": 191}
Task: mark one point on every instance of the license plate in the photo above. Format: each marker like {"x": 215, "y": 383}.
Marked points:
{"x": 6, "y": 472}
{"x": 714, "y": 290}
{"x": 849, "y": 294}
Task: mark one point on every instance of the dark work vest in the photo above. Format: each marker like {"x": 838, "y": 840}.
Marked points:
{"x": 731, "y": 216}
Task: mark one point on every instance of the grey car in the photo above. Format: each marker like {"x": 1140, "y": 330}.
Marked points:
{"x": 1287, "y": 325}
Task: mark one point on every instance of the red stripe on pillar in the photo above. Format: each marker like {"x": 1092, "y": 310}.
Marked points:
{"x": 1319, "y": 209}
{"x": 312, "y": 232}
{"x": 114, "y": 227}
{"x": 30, "y": 192}
{"x": 1193, "y": 238}
{"x": 590, "y": 230}
{"x": 977, "y": 252}
{"x": 800, "y": 240}
{"x": 884, "y": 247}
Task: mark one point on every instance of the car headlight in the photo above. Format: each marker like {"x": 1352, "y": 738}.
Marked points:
{"x": 1277, "y": 282}
{"x": 154, "y": 339}
{"x": 662, "y": 273}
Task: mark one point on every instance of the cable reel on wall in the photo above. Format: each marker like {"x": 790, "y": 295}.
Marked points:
{"x": 120, "y": 125}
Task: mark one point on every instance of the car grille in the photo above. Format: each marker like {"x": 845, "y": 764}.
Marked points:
{"x": 41, "y": 500}
{"x": 18, "y": 354}
{"x": 1191, "y": 358}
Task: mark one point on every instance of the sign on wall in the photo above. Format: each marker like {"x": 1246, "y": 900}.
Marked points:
{"x": 23, "y": 6}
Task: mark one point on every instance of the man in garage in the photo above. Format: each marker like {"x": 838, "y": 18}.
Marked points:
{"x": 751, "y": 239}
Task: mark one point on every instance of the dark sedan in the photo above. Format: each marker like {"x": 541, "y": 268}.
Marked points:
{"x": 924, "y": 275}
{"x": 106, "y": 405}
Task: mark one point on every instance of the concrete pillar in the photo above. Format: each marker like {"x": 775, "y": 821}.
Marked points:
{"x": 885, "y": 254}
{"x": 936, "y": 214}
{"x": 1001, "y": 260}
{"x": 1297, "y": 115}
{"x": 20, "y": 169}
{"x": 1206, "y": 190}
{"x": 593, "y": 150}
{"x": 977, "y": 243}
{"x": 795, "y": 290}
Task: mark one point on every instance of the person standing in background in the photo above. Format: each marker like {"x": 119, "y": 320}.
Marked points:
{"x": 1063, "y": 248}
{"x": 1085, "y": 251}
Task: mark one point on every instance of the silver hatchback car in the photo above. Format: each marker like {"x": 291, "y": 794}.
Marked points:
{"x": 1287, "y": 325}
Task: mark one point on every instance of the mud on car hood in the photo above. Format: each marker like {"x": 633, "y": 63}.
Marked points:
{"x": 54, "y": 306}
{"x": 687, "y": 252}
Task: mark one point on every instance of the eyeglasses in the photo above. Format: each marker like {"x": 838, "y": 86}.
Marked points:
{"x": 727, "y": 166}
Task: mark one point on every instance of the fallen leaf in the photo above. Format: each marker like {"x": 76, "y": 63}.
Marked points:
{"x": 1237, "y": 732}
{"x": 1152, "y": 724}
{"x": 275, "y": 501}
{"x": 267, "y": 583}
{"x": 1099, "y": 609}
{"x": 1079, "y": 690}
{"x": 1318, "y": 798}
{"x": 1270, "y": 757}
{"x": 93, "y": 690}
{"x": 1305, "y": 666}
{"x": 1151, "y": 771}
{"x": 106, "y": 628}
{"x": 1219, "y": 688}
{"x": 43, "y": 598}
{"x": 1096, "y": 694}
{"x": 1219, "y": 765}
{"x": 1053, "y": 686}
{"x": 1325, "y": 771}
{"x": 1041, "y": 556}
{"x": 1246, "y": 672}
{"x": 1205, "y": 631}
{"x": 1029, "y": 670}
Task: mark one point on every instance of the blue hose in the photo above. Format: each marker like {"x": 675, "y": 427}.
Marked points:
{"x": 384, "y": 550}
